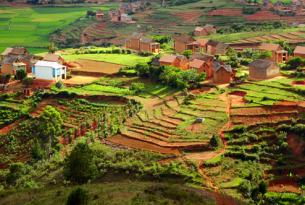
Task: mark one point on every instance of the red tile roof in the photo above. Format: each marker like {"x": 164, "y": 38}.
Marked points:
{"x": 299, "y": 50}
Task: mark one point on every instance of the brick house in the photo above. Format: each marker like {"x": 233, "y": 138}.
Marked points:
{"x": 118, "y": 16}
{"x": 178, "y": 61}
{"x": 202, "y": 63}
{"x": 15, "y": 58}
{"x": 185, "y": 42}
{"x": 99, "y": 15}
{"x": 278, "y": 54}
{"x": 299, "y": 51}
{"x": 205, "y": 30}
{"x": 222, "y": 73}
{"x": 263, "y": 69}
{"x": 216, "y": 48}
{"x": 139, "y": 42}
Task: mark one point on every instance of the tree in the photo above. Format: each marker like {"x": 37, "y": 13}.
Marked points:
{"x": 20, "y": 74}
{"x": 78, "y": 196}
{"x": 265, "y": 55}
{"x": 27, "y": 82}
{"x": 79, "y": 165}
{"x": 187, "y": 53}
{"x": 215, "y": 142}
{"x": 52, "y": 48}
{"x": 50, "y": 126}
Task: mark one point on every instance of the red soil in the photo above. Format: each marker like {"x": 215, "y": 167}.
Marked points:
{"x": 262, "y": 16}
{"x": 189, "y": 17}
{"x": 296, "y": 145}
{"x": 226, "y": 12}
{"x": 285, "y": 184}
{"x": 195, "y": 127}
{"x": 137, "y": 144}
{"x": 8, "y": 128}
{"x": 298, "y": 82}
{"x": 42, "y": 84}
{"x": 238, "y": 93}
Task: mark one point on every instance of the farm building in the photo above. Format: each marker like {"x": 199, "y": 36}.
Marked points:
{"x": 15, "y": 51}
{"x": 178, "y": 61}
{"x": 205, "y": 30}
{"x": 13, "y": 56}
{"x": 263, "y": 69}
{"x": 222, "y": 73}
{"x": 54, "y": 58}
{"x": 140, "y": 43}
{"x": 202, "y": 63}
{"x": 118, "y": 16}
{"x": 99, "y": 15}
{"x": 278, "y": 54}
{"x": 299, "y": 51}
{"x": 216, "y": 48}
{"x": 10, "y": 65}
{"x": 185, "y": 42}
{"x": 46, "y": 70}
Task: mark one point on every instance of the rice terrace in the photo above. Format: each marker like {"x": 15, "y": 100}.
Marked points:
{"x": 188, "y": 102}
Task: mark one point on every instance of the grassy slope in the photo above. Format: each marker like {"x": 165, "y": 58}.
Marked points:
{"x": 116, "y": 193}
{"x": 31, "y": 26}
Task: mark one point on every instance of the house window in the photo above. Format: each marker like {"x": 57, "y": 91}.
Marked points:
{"x": 53, "y": 73}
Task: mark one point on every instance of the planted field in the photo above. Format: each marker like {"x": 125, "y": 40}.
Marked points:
{"x": 121, "y": 59}
{"x": 31, "y": 26}
{"x": 95, "y": 116}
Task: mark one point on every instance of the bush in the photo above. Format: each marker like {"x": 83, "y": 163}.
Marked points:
{"x": 78, "y": 196}
{"x": 27, "y": 82}
{"x": 59, "y": 85}
{"x": 20, "y": 74}
{"x": 79, "y": 165}
{"x": 216, "y": 142}
{"x": 137, "y": 87}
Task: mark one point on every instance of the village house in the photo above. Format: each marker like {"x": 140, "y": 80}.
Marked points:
{"x": 263, "y": 69}
{"x": 222, "y": 73}
{"x": 202, "y": 63}
{"x": 54, "y": 58}
{"x": 13, "y": 59}
{"x": 139, "y": 42}
{"x": 299, "y": 51}
{"x": 51, "y": 71}
{"x": 118, "y": 16}
{"x": 185, "y": 42}
{"x": 178, "y": 61}
{"x": 99, "y": 15}
{"x": 216, "y": 48}
{"x": 205, "y": 30}
{"x": 278, "y": 54}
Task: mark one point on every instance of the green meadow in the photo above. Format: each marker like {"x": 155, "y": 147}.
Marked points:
{"x": 31, "y": 26}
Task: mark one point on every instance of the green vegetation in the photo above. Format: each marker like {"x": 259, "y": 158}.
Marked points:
{"x": 31, "y": 26}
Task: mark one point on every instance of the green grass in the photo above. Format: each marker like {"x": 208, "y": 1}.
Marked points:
{"x": 95, "y": 89}
{"x": 244, "y": 35}
{"x": 116, "y": 193}
{"x": 31, "y": 26}
{"x": 123, "y": 59}
{"x": 236, "y": 182}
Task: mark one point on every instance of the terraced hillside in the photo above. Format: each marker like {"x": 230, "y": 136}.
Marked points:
{"x": 170, "y": 126}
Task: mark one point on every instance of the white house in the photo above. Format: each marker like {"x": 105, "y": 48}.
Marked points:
{"x": 46, "y": 70}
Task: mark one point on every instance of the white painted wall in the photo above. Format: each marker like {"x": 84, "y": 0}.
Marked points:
{"x": 44, "y": 73}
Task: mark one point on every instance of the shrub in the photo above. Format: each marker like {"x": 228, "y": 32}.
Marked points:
{"x": 20, "y": 74}
{"x": 137, "y": 87}
{"x": 27, "y": 82}
{"x": 216, "y": 142}
{"x": 79, "y": 165}
{"x": 16, "y": 171}
{"x": 78, "y": 196}
{"x": 59, "y": 85}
